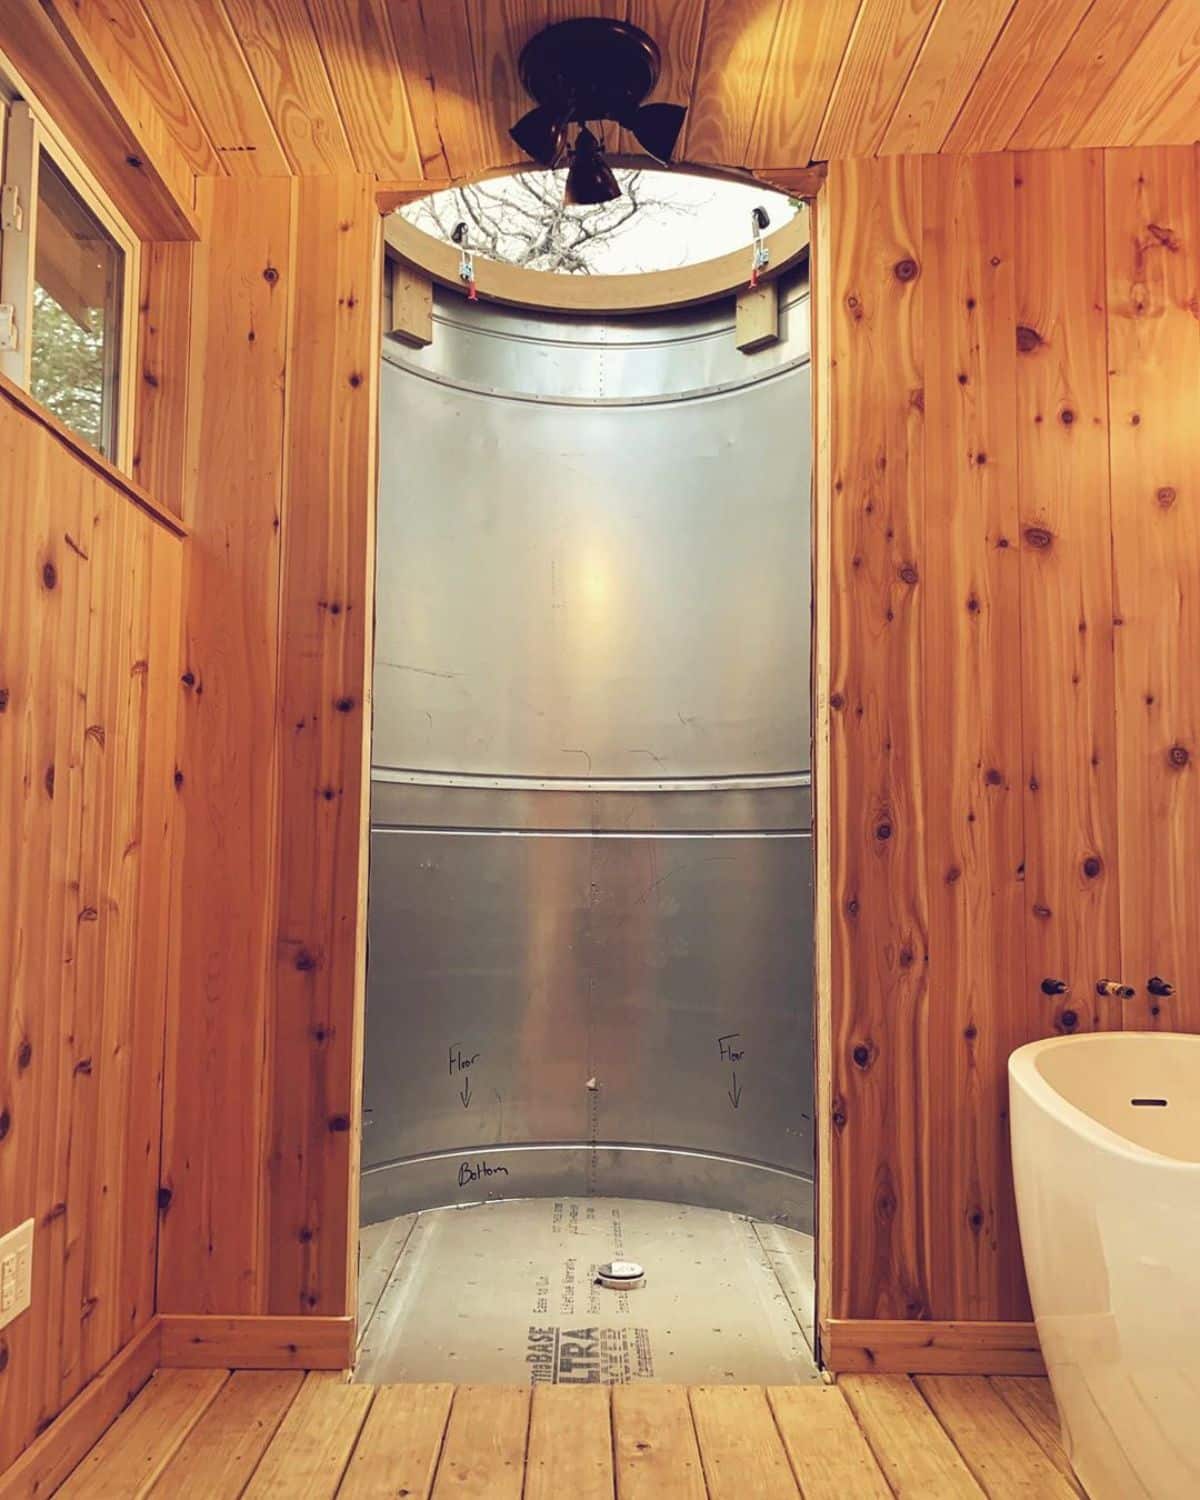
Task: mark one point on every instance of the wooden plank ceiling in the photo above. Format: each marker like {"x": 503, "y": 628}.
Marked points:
{"x": 425, "y": 90}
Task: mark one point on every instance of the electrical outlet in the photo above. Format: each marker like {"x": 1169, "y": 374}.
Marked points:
{"x": 16, "y": 1272}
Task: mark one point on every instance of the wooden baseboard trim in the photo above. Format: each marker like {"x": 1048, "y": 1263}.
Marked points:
{"x": 256, "y": 1343}
{"x": 871, "y": 1345}
{"x": 48, "y": 1460}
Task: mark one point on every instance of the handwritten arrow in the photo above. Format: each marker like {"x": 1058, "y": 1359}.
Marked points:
{"x": 735, "y": 1093}
{"x": 465, "y": 1094}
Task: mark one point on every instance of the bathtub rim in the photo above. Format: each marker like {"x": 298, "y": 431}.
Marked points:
{"x": 1023, "y": 1074}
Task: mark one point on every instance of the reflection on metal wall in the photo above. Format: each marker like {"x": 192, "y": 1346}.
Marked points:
{"x": 590, "y": 929}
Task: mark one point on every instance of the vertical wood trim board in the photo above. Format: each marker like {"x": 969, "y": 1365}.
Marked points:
{"x": 213, "y": 1252}
{"x": 324, "y": 718}
{"x": 1069, "y": 777}
{"x": 1013, "y": 568}
{"x": 971, "y": 727}
{"x": 259, "y": 1187}
{"x": 874, "y": 361}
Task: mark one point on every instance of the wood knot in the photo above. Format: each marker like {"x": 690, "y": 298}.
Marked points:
{"x": 852, "y": 907}
{"x": 1178, "y": 756}
{"x": 838, "y": 1114}
{"x": 1038, "y": 536}
{"x": 908, "y": 573}
{"x": 49, "y": 575}
{"x": 3, "y": 1356}
{"x": 24, "y": 1054}
{"x": 836, "y": 701}
{"x": 916, "y": 399}
{"x": 328, "y": 793}
{"x": 971, "y": 304}
{"x": 1068, "y": 1019}
{"x": 975, "y": 1220}
{"x": 1165, "y": 495}
{"x": 5, "y": 1122}
{"x": 953, "y": 875}
{"x": 1135, "y": 420}
{"x": 1092, "y": 866}
{"x": 883, "y": 831}
{"x": 981, "y": 459}
{"x": 993, "y": 777}
{"x": 973, "y": 605}
{"x": 862, "y": 1055}
{"x": 1028, "y": 339}
{"x": 906, "y": 269}
{"x": 1042, "y": 911}
{"x": 1066, "y": 416}
{"x": 854, "y": 307}
{"x": 305, "y": 961}
{"x": 906, "y": 958}
{"x": 355, "y": 380}
{"x": 95, "y": 732}
{"x": 178, "y": 778}
{"x": 1165, "y": 236}
{"x": 962, "y": 379}
{"x": 344, "y": 705}
{"x": 188, "y": 679}
{"x": 971, "y": 1032}
{"x": 164, "y": 1199}
{"x": 339, "y": 1123}
{"x": 304, "y": 1234}
{"x": 270, "y": 275}
{"x": 48, "y": 782}
{"x": 84, "y": 1066}
{"x": 3, "y": 700}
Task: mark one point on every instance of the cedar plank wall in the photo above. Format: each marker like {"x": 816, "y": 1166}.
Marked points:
{"x": 89, "y": 624}
{"x": 1013, "y": 354}
{"x": 260, "y": 1157}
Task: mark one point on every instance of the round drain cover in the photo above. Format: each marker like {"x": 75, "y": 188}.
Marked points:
{"x": 621, "y": 1275}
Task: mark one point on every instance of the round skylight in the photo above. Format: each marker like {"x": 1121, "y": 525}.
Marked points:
{"x": 663, "y": 220}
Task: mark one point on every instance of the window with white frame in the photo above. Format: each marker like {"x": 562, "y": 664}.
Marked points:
{"x": 68, "y": 279}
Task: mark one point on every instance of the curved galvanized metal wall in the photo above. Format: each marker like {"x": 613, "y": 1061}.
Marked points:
{"x": 590, "y": 905}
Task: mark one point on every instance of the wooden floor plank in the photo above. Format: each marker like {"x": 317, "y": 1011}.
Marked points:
{"x": 129, "y": 1458}
{"x": 1033, "y": 1402}
{"x": 991, "y": 1439}
{"x": 484, "y": 1452}
{"x": 570, "y": 1444}
{"x": 224, "y": 1448}
{"x": 740, "y": 1446}
{"x": 654, "y": 1444}
{"x": 308, "y": 1455}
{"x": 917, "y": 1458}
{"x": 398, "y": 1449}
{"x": 830, "y": 1457}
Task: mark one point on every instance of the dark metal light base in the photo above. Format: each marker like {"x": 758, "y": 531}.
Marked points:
{"x": 590, "y": 69}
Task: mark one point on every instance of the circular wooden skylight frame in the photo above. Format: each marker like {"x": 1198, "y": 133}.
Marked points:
{"x": 629, "y": 293}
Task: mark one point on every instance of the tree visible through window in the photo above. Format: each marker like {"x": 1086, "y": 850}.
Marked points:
{"x": 75, "y": 342}
{"x": 67, "y": 365}
{"x": 663, "y": 220}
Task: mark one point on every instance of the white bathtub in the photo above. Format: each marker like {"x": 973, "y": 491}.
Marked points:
{"x": 1108, "y": 1197}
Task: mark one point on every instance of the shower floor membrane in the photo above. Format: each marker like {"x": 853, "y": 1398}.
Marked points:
{"x": 506, "y": 1292}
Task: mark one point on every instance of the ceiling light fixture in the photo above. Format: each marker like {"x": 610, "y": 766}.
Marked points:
{"x": 583, "y": 71}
